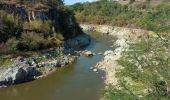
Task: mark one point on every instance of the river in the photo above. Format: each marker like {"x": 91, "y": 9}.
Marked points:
{"x": 74, "y": 82}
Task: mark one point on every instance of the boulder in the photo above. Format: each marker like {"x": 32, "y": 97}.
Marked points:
{"x": 109, "y": 52}
{"x": 18, "y": 73}
{"x": 78, "y": 41}
{"x": 89, "y": 53}
{"x": 95, "y": 70}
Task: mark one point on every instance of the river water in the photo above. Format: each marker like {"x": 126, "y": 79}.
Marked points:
{"x": 74, "y": 82}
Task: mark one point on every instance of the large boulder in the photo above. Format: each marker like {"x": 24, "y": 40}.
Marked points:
{"x": 17, "y": 73}
{"x": 12, "y": 76}
{"x": 78, "y": 41}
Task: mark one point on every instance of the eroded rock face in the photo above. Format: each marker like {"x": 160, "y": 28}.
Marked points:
{"x": 26, "y": 14}
{"x": 78, "y": 41}
{"x": 17, "y": 73}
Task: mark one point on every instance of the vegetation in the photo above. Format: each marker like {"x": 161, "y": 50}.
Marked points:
{"x": 145, "y": 71}
{"x": 138, "y": 15}
{"x": 9, "y": 27}
{"x": 144, "y": 74}
{"x": 50, "y": 28}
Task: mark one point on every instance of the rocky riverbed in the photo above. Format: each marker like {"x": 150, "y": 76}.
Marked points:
{"x": 25, "y": 69}
{"x": 123, "y": 36}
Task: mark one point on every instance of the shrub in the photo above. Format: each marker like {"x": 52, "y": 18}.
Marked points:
{"x": 33, "y": 41}
{"x": 9, "y": 26}
{"x": 39, "y": 26}
{"x": 59, "y": 36}
{"x": 12, "y": 44}
{"x": 55, "y": 42}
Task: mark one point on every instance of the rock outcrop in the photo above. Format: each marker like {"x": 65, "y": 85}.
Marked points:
{"x": 18, "y": 72}
{"x": 24, "y": 69}
{"x": 78, "y": 42}
{"x": 27, "y": 69}
{"x": 26, "y": 13}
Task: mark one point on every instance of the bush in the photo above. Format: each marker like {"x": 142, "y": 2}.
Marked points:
{"x": 59, "y": 36}
{"x": 12, "y": 44}
{"x": 9, "y": 26}
{"x": 43, "y": 27}
{"x": 33, "y": 41}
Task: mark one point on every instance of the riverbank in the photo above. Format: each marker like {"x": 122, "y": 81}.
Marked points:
{"x": 23, "y": 69}
{"x": 123, "y": 36}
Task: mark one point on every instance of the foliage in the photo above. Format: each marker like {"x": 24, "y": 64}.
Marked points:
{"x": 158, "y": 21}
{"x": 145, "y": 71}
{"x": 12, "y": 44}
{"x": 43, "y": 27}
{"x": 5, "y": 60}
{"x": 141, "y": 15}
{"x": 32, "y": 41}
{"x": 9, "y": 26}
{"x": 31, "y": 33}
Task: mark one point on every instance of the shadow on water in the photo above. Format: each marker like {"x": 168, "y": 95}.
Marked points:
{"x": 74, "y": 82}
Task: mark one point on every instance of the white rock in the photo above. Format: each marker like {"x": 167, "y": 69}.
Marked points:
{"x": 89, "y": 53}
{"x": 109, "y": 52}
{"x": 95, "y": 70}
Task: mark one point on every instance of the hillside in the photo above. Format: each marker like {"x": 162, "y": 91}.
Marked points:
{"x": 35, "y": 25}
{"x": 138, "y": 67}
{"x": 137, "y": 14}
{"x": 153, "y": 3}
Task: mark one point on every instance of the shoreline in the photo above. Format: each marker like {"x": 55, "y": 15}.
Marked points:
{"x": 123, "y": 35}
{"x": 28, "y": 69}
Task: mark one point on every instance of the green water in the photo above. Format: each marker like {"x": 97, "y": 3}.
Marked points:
{"x": 74, "y": 82}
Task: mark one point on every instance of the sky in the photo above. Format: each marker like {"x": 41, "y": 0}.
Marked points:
{"x": 69, "y": 2}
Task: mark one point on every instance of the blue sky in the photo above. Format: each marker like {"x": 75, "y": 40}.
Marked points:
{"x": 68, "y": 2}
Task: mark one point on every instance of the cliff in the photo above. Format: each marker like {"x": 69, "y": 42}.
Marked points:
{"x": 27, "y": 12}
{"x": 31, "y": 10}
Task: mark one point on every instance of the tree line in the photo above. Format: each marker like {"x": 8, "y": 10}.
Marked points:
{"x": 141, "y": 15}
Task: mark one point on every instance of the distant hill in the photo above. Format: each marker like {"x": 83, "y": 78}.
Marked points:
{"x": 152, "y": 2}
{"x": 147, "y": 14}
